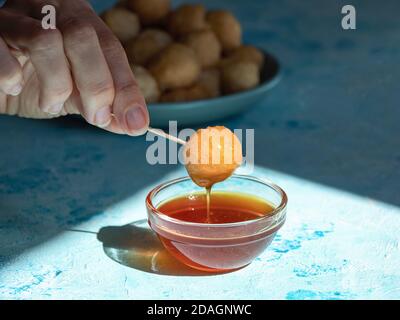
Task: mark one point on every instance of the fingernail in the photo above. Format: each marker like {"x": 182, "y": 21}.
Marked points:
{"x": 135, "y": 118}
{"x": 55, "y": 108}
{"x": 103, "y": 117}
{"x": 16, "y": 90}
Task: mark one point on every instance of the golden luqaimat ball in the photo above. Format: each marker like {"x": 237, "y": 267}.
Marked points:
{"x": 212, "y": 155}
{"x": 206, "y": 47}
{"x": 146, "y": 45}
{"x": 226, "y": 27}
{"x": 206, "y": 87}
{"x": 176, "y": 66}
{"x": 150, "y": 11}
{"x": 245, "y": 53}
{"x": 122, "y": 4}
{"x": 194, "y": 92}
{"x": 239, "y": 76}
{"x": 123, "y": 23}
{"x": 147, "y": 84}
{"x": 186, "y": 19}
{"x": 210, "y": 80}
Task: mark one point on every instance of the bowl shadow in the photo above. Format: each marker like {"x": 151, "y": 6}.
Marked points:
{"x": 136, "y": 246}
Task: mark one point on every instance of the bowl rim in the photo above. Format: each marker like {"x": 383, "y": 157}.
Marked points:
{"x": 265, "y": 85}
{"x": 277, "y": 210}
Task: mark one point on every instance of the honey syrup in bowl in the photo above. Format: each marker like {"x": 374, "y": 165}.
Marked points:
{"x": 244, "y": 215}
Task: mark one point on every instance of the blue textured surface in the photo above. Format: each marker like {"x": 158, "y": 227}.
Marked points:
{"x": 328, "y": 134}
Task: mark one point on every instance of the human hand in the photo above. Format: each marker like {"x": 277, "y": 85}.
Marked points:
{"x": 78, "y": 68}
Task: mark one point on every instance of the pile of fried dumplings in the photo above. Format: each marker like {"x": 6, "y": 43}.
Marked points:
{"x": 184, "y": 54}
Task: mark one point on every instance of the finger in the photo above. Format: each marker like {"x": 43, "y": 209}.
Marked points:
{"x": 26, "y": 104}
{"x": 74, "y": 103}
{"x": 115, "y": 126}
{"x": 45, "y": 49}
{"x": 10, "y": 71}
{"x": 129, "y": 106}
{"x": 90, "y": 70}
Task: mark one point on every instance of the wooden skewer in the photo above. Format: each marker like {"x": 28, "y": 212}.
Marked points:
{"x": 161, "y": 133}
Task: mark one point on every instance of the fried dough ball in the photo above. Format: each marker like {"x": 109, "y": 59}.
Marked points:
{"x": 146, "y": 45}
{"x": 212, "y": 155}
{"x": 122, "y": 22}
{"x": 239, "y": 76}
{"x": 186, "y": 19}
{"x": 122, "y": 3}
{"x": 147, "y": 84}
{"x": 206, "y": 46}
{"x": 150, "y": 11}
{"x": 194, "y": 92}
{"x": 245, "y": 54}
{"x": 208, "y": 86}
{"x": 210, "y": 80}
{"x": 176, "y": 66}
{"x": 226, "y": 27}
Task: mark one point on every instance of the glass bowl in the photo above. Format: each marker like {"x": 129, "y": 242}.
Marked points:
{"x": 217, "y": 247}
